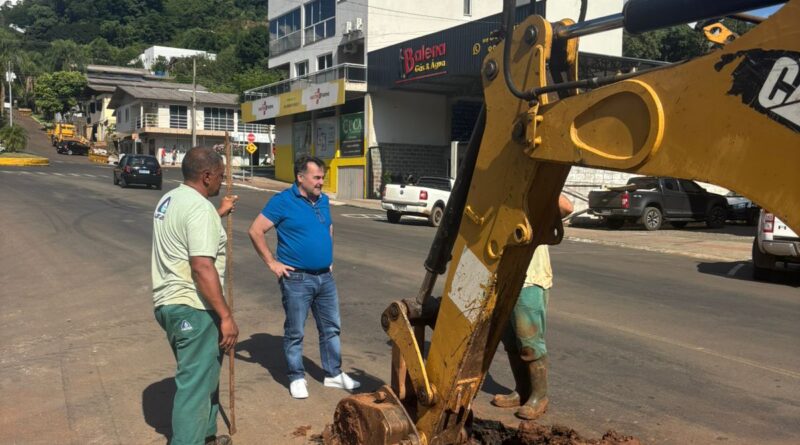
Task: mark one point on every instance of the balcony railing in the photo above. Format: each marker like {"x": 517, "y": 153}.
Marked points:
{"x": 149, "y": 120}
{"x": 285, "y": 43}
{"x": 178, "y": 121}
{"x": 253, "y": 128}
{"x": 348, "y": 71}
{"x": 218, "y": 124}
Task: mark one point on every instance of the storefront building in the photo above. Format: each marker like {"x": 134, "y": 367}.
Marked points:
{"x": 411, "y": 107}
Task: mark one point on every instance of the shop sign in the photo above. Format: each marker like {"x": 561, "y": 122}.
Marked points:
{"x": 313, "y": 97}
{"x": 352, "y": 135}
{"x": 423, "y": 61}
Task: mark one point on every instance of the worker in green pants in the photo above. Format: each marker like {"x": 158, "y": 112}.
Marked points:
{"x": 188, "y": 267}
{"x": 524, "y": 338}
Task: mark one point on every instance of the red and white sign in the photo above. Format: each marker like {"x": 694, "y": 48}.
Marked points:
{"x": 251, "y": 137}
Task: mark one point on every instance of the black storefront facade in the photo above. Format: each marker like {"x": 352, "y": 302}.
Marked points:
{"x": 448, "y": 64}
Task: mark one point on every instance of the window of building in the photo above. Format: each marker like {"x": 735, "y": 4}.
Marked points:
{"x": 467, "y": 7}
{"x": 324, "y": 62}
{"x": 284, "y": 32}
{"x": 127, "y": 115}
{"x": 320, "y": 20}
{"x": 218, "y": 119}
{"x": 301, "y": 68}
{"x": 178, "y": 116}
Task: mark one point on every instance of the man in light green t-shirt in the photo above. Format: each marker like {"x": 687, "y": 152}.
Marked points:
{"x": 188, "y": 266}
{"x": 524, "y": 338}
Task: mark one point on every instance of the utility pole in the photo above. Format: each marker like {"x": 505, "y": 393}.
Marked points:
{"x": 10, "y": 97}
{"x": 194, "y": 101}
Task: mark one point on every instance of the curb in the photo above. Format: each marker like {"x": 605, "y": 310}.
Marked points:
{"x": 98, "y": 159}
{"x": 23, "y": 162}
{"x": 690, "y": 254}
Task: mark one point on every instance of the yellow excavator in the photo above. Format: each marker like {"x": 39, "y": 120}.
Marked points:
{"x": 730, "y": 117}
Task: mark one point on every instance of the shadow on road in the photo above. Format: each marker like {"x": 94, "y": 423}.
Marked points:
{"x": 267, "y": 351}
{"x": 157, "y": 406}
{"x": 492, "y": 387}
{"x": 743, "y": 270}
{"x": 733, "y": 229}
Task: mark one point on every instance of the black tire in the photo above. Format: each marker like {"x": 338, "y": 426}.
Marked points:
{"x": 435, "y": 218}
{"x": 763, "y": 263}
{"x": 716, "y": 217}
{"x": 158, "y": 186}
{"x": 615, "y": 223}
{"x": 122, "y": 182}
{"x": 116, "y": 181}
{"x": 393, "y": 217}
{"x": 652, "y": 219}
{"x": 69, "y": 152}
{"x": 679, "y": 224}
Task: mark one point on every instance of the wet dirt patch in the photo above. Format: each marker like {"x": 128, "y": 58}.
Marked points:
{"x": 301, "y": 431}
{"x": 490, "y": 432}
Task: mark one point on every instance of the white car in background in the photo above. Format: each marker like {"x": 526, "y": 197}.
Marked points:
{"x": 427, "y": 197}
{"x": 775, "y": 242}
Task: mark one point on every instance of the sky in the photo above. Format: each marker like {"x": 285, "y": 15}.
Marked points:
{"x": 765, "y": 12}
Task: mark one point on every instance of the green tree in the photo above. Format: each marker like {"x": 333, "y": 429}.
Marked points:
{"x": 254, "y": 77}
{"x": 66, "y": 55}
{"x": 59, "y": 91}
{"x": 674, "y": 44}
{"x": 253, "y": 48}
{"x": 14, "y": 137}
{"x": 101, "y": 52}
{"x": 160, "y": 65}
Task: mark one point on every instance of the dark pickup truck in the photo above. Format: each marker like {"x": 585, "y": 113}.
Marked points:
{"x": 655, "y": 200}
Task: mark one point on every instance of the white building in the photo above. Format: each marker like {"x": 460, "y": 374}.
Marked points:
{"x": 348, "y": 100}
{"x": 150, "y": 118}
{"x": 150, "y": 55}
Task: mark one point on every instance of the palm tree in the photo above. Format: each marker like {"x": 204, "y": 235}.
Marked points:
{"x": 14, "y": 137}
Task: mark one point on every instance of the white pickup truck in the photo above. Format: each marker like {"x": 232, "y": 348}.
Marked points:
{"x": 428, "y": 198}
{"x": 774, "y": 242}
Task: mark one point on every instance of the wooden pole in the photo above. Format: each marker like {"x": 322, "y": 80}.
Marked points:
{"x": 229, "y": 284}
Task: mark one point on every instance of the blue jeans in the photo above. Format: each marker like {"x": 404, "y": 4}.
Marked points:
{"x": 301, "y": 292}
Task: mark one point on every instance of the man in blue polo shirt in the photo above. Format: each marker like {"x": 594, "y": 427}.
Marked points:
{"x": 301, "y": 215}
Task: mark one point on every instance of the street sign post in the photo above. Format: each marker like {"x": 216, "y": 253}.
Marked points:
{"x": 251, "y": 148}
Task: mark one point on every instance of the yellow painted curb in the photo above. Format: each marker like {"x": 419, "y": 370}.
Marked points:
{"x": 99, "y": 159}
{"x": 23, "y": 162}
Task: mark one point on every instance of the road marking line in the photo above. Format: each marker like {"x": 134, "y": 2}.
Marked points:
{"x": 679, "y": 344}
{"x": 363, "y": 215}
{"x": 735, "y": 269}
{"x": 74, "y": 174}
{"x": 58, "y": 174}
{"x": 42, "y": 173}
{"x": 89, "y": 175}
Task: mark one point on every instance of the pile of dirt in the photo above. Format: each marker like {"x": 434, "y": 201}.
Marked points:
{"x": 490, "y": 432}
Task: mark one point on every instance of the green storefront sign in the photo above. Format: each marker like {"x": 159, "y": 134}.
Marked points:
{"x": 352, "y": 135}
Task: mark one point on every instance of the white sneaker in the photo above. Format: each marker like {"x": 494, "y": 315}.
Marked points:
{"x": 342, "y": 381}
{"x": 299, "y": 389}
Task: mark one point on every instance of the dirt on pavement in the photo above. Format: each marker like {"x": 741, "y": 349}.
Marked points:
{"x": 490, "y": 432}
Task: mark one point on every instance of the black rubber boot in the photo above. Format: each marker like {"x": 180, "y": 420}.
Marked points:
{"x": 536, "y": 405}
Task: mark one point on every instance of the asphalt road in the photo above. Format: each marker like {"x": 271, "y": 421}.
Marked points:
{"x": 654, "y": 345}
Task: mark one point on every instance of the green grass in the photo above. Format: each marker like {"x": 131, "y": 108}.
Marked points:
{"x": 19, "y": 155}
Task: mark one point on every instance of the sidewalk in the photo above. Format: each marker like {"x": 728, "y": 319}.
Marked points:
{"x": 731, "y": 243}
